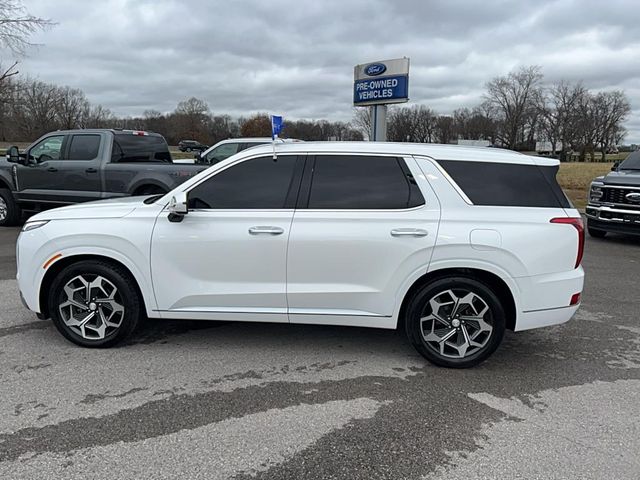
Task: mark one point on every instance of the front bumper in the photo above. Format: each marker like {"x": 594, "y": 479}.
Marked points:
{"x": 613, "y": 219}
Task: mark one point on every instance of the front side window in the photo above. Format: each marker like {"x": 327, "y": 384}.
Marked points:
{"x": 260, "y": 183}
{"x": 222, "y": 152}
{"x": 48, "y": 149}
{"x": 84, "y": 147}
{"x": 362, "y": 182}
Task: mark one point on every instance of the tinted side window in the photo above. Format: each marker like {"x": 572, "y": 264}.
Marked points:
{"x": 222, "y": 152}
{"x": 362, "y": 182}
{"x": 84, "y": 147}
{"x": 139, "y": 148}
{"x": 261, "y": 183}
{"x": 507, "y": 184}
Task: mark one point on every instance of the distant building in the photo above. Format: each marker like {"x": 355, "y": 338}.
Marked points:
{"x": 475, "y": 143}
{"x": 546, "y": 148}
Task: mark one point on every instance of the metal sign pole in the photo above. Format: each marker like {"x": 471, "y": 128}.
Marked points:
{"x": 379, "y": 123}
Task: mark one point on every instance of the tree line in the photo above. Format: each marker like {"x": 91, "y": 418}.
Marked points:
{"x": 30, "y": 108}
{"x": 516, "y": 111}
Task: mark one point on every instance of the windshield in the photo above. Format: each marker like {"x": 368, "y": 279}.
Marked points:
{"x": 632, "y": 162}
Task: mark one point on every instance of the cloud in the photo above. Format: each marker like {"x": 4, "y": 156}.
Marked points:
{"x": 296, "y": 58}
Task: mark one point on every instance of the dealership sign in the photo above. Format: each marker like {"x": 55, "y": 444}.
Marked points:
{"x": 382, "y": 82}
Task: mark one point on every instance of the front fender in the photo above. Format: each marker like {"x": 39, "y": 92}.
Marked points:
{"x": 42, "y": 248}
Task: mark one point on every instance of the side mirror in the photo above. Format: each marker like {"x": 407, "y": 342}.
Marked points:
{"x": 178, "y": 207}
{"x": 13, "y": 155}
{"x": 615, "y": 166}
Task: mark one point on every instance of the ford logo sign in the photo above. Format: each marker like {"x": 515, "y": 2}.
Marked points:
{"x": 375, "y": 69}
{"x": 633, "y": 197}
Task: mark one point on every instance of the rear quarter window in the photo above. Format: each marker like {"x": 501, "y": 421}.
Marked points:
{"x": 507, "y": 184}
{"x": 140, "y": 148}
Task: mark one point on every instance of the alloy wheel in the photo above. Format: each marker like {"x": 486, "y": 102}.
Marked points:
{"x": 92, "y": 308}
{"x": 3, "y": 209}
{"x": 456, "y": 323}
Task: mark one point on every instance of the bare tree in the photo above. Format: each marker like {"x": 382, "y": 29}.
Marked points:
{"x": 35, "y": 108}
{"x": 558, "y": 108}
{"x": 17, "y": 26}
{"x": 191, "y": 118}
{"x": 612, "y": 108}
{"x": 72, "y": 108}
{"x": 362, "y": 120}
{"x": 512, "y": 99}
{"x": 258, "y": 125}
{"x": 99, "y": 117}
{"x": 445, "y": 131}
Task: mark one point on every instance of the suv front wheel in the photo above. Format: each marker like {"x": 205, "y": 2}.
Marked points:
{"x": 94, "y": 303}
{"x": 455, "y": 322}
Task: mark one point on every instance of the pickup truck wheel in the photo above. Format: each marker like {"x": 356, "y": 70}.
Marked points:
{"x": 595, "y": 233}
{"x": 10, "y": 212}
{"x": 455, "y": 322}
{"x": 149, "y": 190}
{"x": 94, "y": 304}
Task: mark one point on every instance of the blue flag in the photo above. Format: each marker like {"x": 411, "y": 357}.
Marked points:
{"x": 276, "y": 126}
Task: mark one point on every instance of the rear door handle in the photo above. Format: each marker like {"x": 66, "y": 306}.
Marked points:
{"x": 91, "y": 170}
{"x": 266, "y": 231}
{"x": 409, "y": 232}
{"x": 52, "y": 169}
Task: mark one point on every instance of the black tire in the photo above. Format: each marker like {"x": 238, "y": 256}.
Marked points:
{"x": 127, "y": 296}
{"x": 150, "y": 190}
{"x": 419, "y": 307}
{"x": 188, "y": 149}
{"x": 12, "y": 212}
{"x": 595, "y": 233}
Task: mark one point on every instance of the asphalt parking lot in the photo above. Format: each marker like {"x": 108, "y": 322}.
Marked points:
{"x": 224, "y": 400}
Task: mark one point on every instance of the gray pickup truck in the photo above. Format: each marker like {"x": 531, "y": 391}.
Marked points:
{"x": 71, "y": 166}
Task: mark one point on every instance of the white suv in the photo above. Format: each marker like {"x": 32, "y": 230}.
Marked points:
{"x": 455, "y": 244}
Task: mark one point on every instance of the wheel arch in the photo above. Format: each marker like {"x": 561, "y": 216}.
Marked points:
{"x": 5, "y": 184}
{"x": 492, "y": 280}
{"x": 140, "y": 186}
{"x": 59, "y": 265}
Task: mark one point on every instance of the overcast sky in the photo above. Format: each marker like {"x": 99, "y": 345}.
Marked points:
{"x": 296, "y": 58}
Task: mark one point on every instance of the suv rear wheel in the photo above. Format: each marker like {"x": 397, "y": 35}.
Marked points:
{"x": 455, "y": 322}
{"x": 94, "y": 304}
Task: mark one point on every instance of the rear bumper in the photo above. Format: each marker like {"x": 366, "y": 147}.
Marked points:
{"x": 614, "y": 220}
{"x": 546, "y": 299}
{"x": 545, "y": 318}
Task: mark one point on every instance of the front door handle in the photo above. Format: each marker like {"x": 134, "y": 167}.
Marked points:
{"x": 91, "y": 170}
{"x": 52, "y": 169}
{"x": 409, "y": 232}
{"x": 266, "y": 231}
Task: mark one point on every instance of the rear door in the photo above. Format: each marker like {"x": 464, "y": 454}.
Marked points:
{"x": 362, "y": 228}
{"x": 79, "y": 171}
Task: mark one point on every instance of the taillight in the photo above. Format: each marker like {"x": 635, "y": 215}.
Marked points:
{"x": 577, "y": 223}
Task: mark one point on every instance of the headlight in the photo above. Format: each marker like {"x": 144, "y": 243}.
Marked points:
{"x": 595, "y": 193}
{"x": 33, "y": 225}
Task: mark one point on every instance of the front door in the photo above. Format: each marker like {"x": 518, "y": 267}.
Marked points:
{"x": 62, "y": 169}
{"x": 39, "y": 178}
{"x": 226, "y": 259}
{"x": 365, "y": 229}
